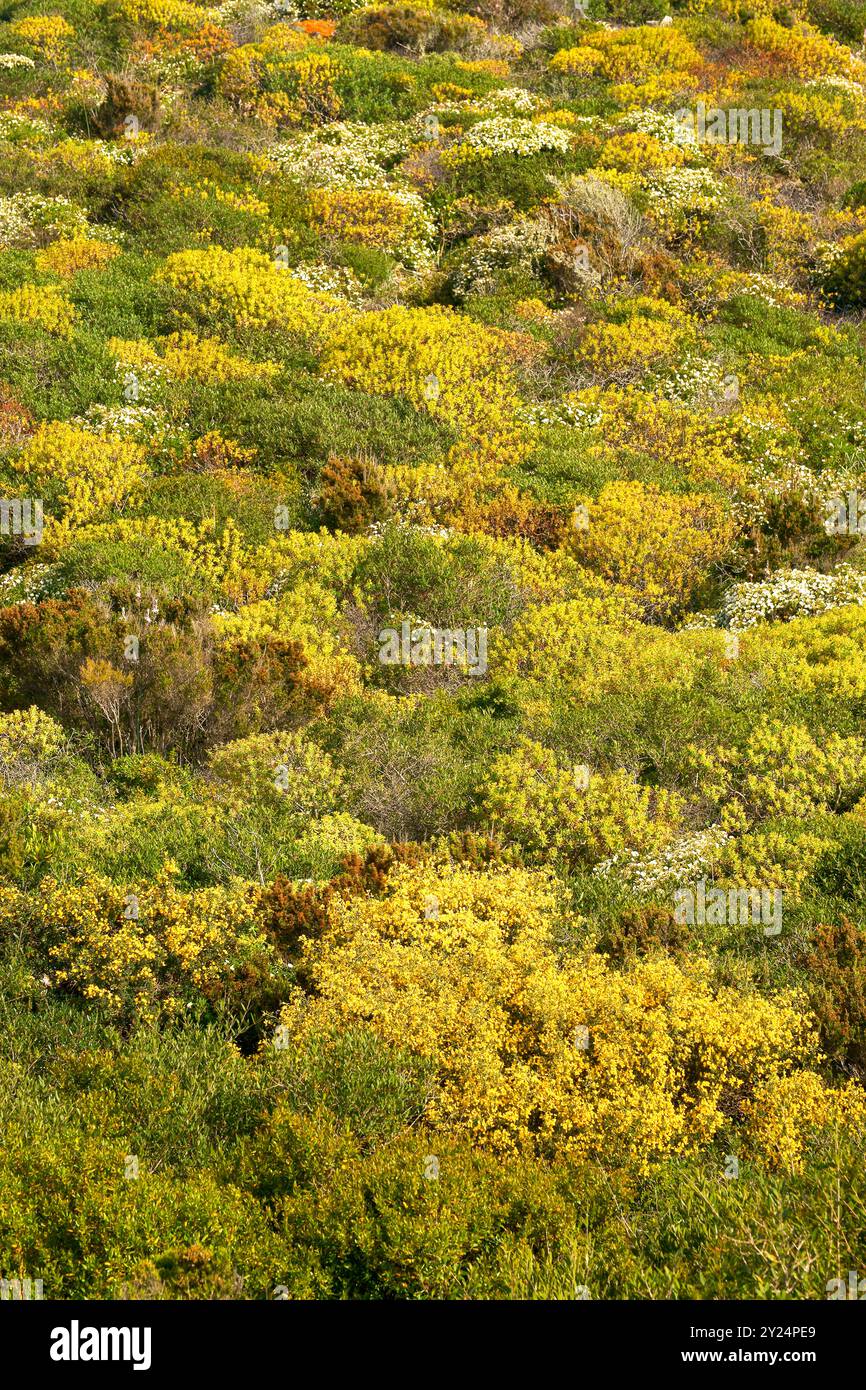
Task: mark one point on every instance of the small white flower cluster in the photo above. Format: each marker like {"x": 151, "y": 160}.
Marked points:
{"x": 515, "y": 135}
{"x": 689, "y": 858}
{"x": 130, "y": 421}
{"x": 569, "y": 410}
{"x": 343, "y": 154}
{"x": 17, "y": 127}
{"x": 699, "y": 622}
{"x": 772, "y": 292}
{"x": 254, "y": 13}
{"x": 26, "y": 218}
{"x": 16, "y": 60}
{"x": 842, "y": 84}
{"x": 686, "y": 190}
{"x": 24, "y": 584}
{"x": 765, "y": 485}
{"x": 405, "y": 522}
{"x": 698, "y": 382}
{"x": 516, "y": 101}
{"x": 792, "y": 593}
{"x": 520, "y": 243}
{"x": 663, "y": 125}
{"x": 338, "y": 280}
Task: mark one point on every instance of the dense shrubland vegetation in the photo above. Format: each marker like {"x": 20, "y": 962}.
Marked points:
{"x": 327, "y": 976}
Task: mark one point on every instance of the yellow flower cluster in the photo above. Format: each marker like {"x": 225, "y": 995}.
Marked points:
{"x": 783, "y": 770}
{"x": 654, "y": 333}
{"x": 185, "y": 357}
{"x": 141, "y": 950}
{"x": 40, "y": 305}
{"x": 313, "y": 96}
{"x": 532, "y": 1049}
{"x": 804, "y": 49}
{"x": 281, "y": 770}
{"x": 491, "y": 67}
{"x": 299, "y": 86}
{"x": 48, "y": 35}
{"x": 372, "y": 216}
{"x": 659, "y": 544}
{"x": 456, "y": 368}
{"x": 245, "y": 289}
{"x": 638, "y": 153}
{"x": 831, "y": 114}
{"x": 208, "y": 190}
{"x": 773, "y": 858}
{"x": 96, "y": 472}
{"x": 68, "y": 255}
{"x": 588, "y": 646}
{"x": 634, "y": 422}
{"x": 629, "y": 55}
{"x": 789, "y": 234}
{"x": 28, "y": 738}
{"x": 167, "y": 14}
{"x": 214, "y": 452}
{"x": 303, "y": 555}
{"x": 579, "y": 815}
{"x": 785, "y": 1111}
{"x": 306, "y": 617}
{"x": 821, "y": 655}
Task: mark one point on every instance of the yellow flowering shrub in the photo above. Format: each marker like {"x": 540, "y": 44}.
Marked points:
{"x": 789, "y": 235}
{"x": 554, "y": 810}
{"x": 186, "y": 357}
{"x": 637, "y": 153}
{"x": 48, "y": 35}
{"x": 96, "y": 473}
{"x": 636, "y": 423}
{"x": 772, "y": 858}
{"x": 834, "y": 115}
{"x": 319, "y": 555}
{"x": 533, "y": 1049}
{"x": 167, "y": 14}
{"x": 243, "y": 574}
{"x": 305, "y": 617}
{"x": 279, "y": 83}
{"x": 657, "y": 543}
{"x": 532, "y": 310}
{"x": 29, "y": 739}
{"x": 576, "y": 639}
{"x": 282, "y": 770}
{"x": 457, "y": 369}
{"x": 141, "y": 951}
{"x": 805, "y": 51}
{"x": 245, "y": 289}
{"x": 783, "y": 770}
{"x": 785, "y": 1111}
{"x": 594, "y": 646}
{"x": 645, "y": 331}
{"x": 387, "y": 219}
{"x": 40, "y": 305}
{"x": 629, "y": 55}
{"x": 821, "y": 655}
{"x": 208, "y": 190}
{"x": 215, "y": 553}
{"x": 68, "y": 255}
{"x": 338, "y": 834}
{"x": 493, "y": 67}
{"x": 617, "y": 351}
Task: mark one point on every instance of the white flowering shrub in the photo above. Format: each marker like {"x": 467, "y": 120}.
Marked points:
{"x": 687, "y": 859}
{"x": 344, "y": 153}
{"x": 514, "y": 135}
{"x": 792, "y": 593}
